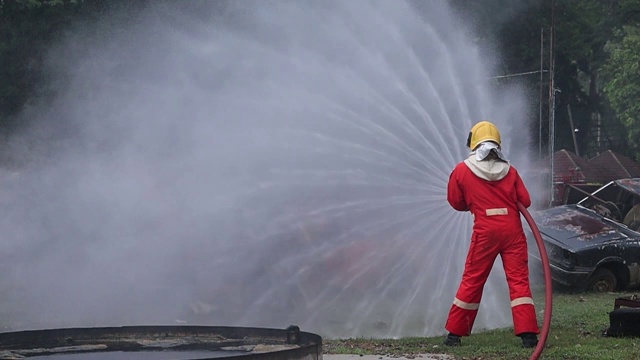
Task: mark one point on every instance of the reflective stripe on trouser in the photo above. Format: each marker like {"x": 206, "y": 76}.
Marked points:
{"x": 480, "y": 259}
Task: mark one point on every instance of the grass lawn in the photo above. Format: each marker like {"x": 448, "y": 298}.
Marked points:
{"x": 577, "y": 332}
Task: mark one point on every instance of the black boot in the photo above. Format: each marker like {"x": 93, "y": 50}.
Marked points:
{"x": 529, "y": 340}
{"x": 452, "y": 340}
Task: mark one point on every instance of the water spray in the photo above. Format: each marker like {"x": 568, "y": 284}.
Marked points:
{"x": 547, "y": 283}
{"x": 199, "y": 161}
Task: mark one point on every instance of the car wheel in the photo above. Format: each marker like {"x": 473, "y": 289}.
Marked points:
{"x": 602, "y": 280}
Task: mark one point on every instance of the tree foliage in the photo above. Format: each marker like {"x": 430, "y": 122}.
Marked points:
{"x": 623, "y": 83}
{"x": 582, "y": 30}
{"x": 27, "y": 29}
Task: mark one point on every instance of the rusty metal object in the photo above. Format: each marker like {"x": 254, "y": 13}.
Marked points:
{"x": 631, "y": 185}
{"x": 628, "y": 301}
{"x": 220, "y": 342}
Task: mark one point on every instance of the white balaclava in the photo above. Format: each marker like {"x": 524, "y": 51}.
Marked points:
{"x": 488, "y": 169}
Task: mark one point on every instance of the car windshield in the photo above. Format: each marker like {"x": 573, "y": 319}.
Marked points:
{"x": 612, "y": 201}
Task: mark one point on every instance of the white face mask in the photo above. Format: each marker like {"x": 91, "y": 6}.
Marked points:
{"x": 484, "y": 149}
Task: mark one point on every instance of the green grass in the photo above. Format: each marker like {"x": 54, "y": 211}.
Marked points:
{"x": 577, "y": 333}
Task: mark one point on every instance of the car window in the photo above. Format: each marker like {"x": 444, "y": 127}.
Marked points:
{"x": 608, "y": 201}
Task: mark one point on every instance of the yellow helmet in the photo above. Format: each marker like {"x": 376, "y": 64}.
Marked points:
{"x": 483, "y": 131}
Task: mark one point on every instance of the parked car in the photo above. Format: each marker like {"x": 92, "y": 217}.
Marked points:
{"x": 588, "y": 244}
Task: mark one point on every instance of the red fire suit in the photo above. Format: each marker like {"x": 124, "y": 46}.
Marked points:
{"x": 497, "y": 229}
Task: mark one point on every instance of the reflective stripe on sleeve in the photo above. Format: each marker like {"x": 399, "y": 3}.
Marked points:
{"x": 521, "y": 301}
{"x": 499, "y": 211}
{"x": 465, "y": 305}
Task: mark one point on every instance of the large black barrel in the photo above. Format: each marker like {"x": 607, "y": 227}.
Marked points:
{"x": 162, "y": 342}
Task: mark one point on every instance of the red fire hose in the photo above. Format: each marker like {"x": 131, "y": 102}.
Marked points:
{"x": 544, "y": 333}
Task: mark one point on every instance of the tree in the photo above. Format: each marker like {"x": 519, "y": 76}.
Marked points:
{"x": 27, "y": 28}
{"x": 623, "y": 83}
{"x": 582, "y": 29}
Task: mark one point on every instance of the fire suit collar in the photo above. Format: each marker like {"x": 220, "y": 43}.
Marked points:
{"x": 490, "y": 169}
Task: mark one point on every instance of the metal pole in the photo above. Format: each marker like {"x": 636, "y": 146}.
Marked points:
{"x": 552, "y": 97}
{"x": 541, "y": 92}
{"x": 599, "y": 138}
{"x": 573, "y": 130}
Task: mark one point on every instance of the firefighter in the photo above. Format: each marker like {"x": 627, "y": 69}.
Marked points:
{"x": 490, "y": 188}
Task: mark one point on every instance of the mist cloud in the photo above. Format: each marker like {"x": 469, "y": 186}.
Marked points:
{"x": 257, "y": 164}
